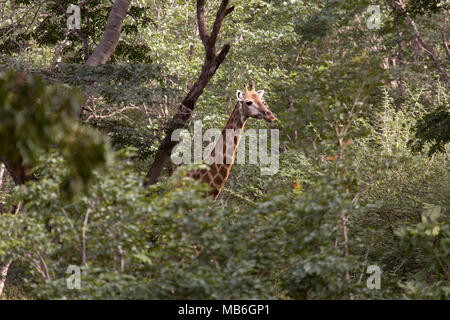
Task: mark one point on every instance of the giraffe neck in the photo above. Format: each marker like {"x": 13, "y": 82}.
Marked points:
{"x": 231, "y": 134}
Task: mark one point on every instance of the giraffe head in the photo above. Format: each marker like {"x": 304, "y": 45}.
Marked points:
{"x": 252, "y": 104}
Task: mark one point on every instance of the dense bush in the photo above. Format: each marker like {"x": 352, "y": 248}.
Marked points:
{"x": 169, "y": 242}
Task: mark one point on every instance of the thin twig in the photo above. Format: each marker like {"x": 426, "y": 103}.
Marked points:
{"x": 83, "y": 237}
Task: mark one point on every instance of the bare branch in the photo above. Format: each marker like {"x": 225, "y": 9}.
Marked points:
{"x": 82, "y": 4}
{"x": 2, "y": 171}
{"x": 223, "y": 53}
{"x": 229, "y": 10}
{"x": 297, "y": 57}
{"x": 445, "y": 46}
{"x": 401, "y": 6}
{"x": 3, "y": 274}
{"x": 45, "y": 272}
{"x": 83, "y": 237}
{"x": 369, "y": 246}
{"x": 201, "y": 22}
{"x": 121, "y": 258}
{"x": 221, "y": 13}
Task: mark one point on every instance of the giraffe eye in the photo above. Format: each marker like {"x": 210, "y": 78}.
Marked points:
{"x": 249, "y": 103}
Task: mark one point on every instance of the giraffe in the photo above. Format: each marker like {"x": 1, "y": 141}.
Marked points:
{"x": 250, "y": 103}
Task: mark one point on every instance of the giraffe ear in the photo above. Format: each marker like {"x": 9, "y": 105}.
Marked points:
{"x": 239, "y": 95}
{"x": 260, "y": 93}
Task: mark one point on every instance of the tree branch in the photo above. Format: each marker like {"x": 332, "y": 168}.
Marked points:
{"x": 201, "y": 22}
{"x": 445, "y": 46}
{"x": 400, "y": 6}
{"x": 2, "y": 171}
{"x": 83, "y": 236}
{"x": 210, "y": 65}
{"x": 218, "y": 22}
{"x": 223, "y": 53}
{"x": 110, "y": 37}
{"x": 3, "y": 275}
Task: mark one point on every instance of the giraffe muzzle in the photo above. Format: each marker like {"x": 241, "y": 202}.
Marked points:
{"x": 268, "y": 116}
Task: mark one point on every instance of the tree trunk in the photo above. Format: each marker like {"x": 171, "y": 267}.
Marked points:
{"x": 18, "y": 171}
{"x": 211, "y": 63}
{"x": 2, "y": 172}
{"x": 110, "y": 38}
{"x": 20, "y": 174}
{"x": 3, "y": 274}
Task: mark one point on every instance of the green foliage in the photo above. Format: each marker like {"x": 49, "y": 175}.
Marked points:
{"x": 32, "y": 115}
{"x": 35, "y": 118}
{"x": 434, "y": 128}
{"x": 119, "y": 104}
{"x": 429, "y": 7}
{"x": 402, "y": 184}
{"x": 170, "y": 242}
{"x": 118, "y": 83}
{"x": 124, "y": 134}
{"x": 46, "y": 25}
{"x": 431, "y": 237}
